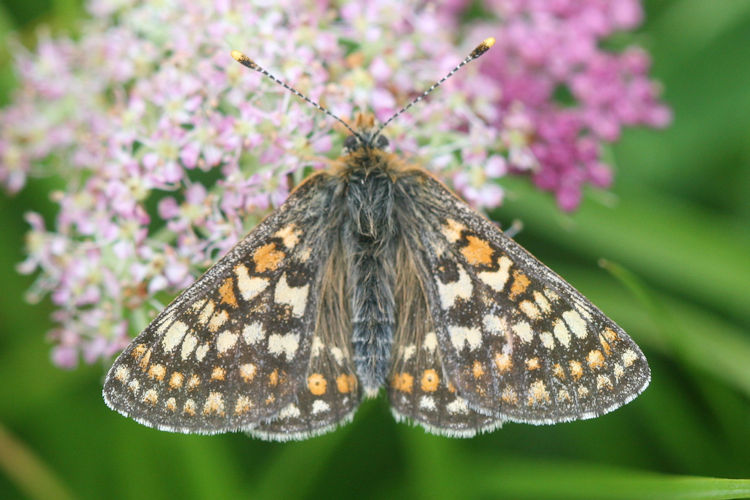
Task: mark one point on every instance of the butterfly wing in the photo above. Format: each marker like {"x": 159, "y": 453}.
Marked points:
{"x": 418, "y": 386}
{"x": 516, "y": 341}
{"x": 232, "y": 351}
{"x": 330, "y": 393}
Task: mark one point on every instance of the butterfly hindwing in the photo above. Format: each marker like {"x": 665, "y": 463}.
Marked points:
{"x": 516, "y": 340}
{"x": 330, "y": 393}
{"x": 418, "y": 387}
{"x": 231, "y": 352}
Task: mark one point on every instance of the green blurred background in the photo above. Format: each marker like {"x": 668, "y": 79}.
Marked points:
{"x": 676, "y": 239}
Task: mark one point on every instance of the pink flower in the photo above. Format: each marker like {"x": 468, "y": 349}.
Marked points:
{"x": 170, "y": 151}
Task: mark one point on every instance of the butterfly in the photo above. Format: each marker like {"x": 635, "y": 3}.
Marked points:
{"x": 374, "y": 274}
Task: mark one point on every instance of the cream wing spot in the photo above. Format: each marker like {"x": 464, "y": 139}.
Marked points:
{"x": 214, "y": 404}
{"x": 189, "y": 407}
{"x": 538, "y": 393}
{"x": 542, "y": 302}
{"x": 225, "y": 341}
{"x": 523, "y": 330}
{"x": 547, "y": 340}
{"x": 218, "y": 320}
{"x": 427, "y": 403}
{"x": 458, "y": 406}
{"x": 243, "y": 405}
{"x": 296, "y": 297}
{"x": 171, "y": 404}
{"x": 576, "y": 323}
{"x": 249, "y": 287}
{"x": 461, "y": 336}
{"x": 497, "y": 279}
{"x": 206, "y": 313}
{"x": 449, "y": 292}
{"x": 253, "y": 333}
{"x": 151, "y": 397}
{"x": 530, "y": 310}
{"x": 188, "y": 345}
{"x": 247, "y": 371}
{"x": 290, "y": 411}
{"x": 122, "y": 373}
{"x": 494, "y": 324}
{"x": 320, "y": 406}
{"x": 628, "y": 358}
{"x": 289, "y": 235}
{"x": 430, "y": 342}
{"x": 201, "y": 352}
{"x": 561, "y": 332}
{"x": 286, "y": 344}
{"x": 173, "y": 336}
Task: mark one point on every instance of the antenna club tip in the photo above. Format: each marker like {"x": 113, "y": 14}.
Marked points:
{"x": 243, "y": 59}
{"x": 483, "y": 47}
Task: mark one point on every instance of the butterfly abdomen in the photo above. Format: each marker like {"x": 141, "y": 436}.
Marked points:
{"x": 370, "y": 237}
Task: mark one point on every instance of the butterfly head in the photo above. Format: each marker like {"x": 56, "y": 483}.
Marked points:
{"x": 367, "y": 136}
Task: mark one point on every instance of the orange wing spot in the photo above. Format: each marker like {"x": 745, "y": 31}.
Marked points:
{"x": 520, "y": 283}
{"x": 477, "y": 252}
{"x": 157, "y": 372}
{"x": 273, "y": 378}
{"x": 451, "y": 388}
{"x": 143, "y": 363}
{"x": 403, "y": 382}
{"x": 605, "y": 346}
{"x": 138, "y": 351}
{"x": 509, "y": 395}
{"x": 477, "y": 369}
{"x": 558, "y": 371}
{"x": 171, "y": 404}
{"x": 610, "y": 335}
{"x": 452, "y": 230}
{"x": 267, "y": 258}
{"x": 430, "y": 380}
{"x": 214, "y": 404}
{"x": 226, "y": 291}
{"x": 595, "y": 359}
{"x": 532, "y": 364}
{"x": 175, "y": 380}
{"x": 345, "y": 383}
{"x": 317, "y": 384}
{"x": 193, "y": 382}
{"x": 576, "y": 370}
{"x": 189, "y": 407}
{"x": 538, "y": 393}
{"x": 270, "y": 399}
{"x": 503, "y": 362}
{"x": 218, "y": 373}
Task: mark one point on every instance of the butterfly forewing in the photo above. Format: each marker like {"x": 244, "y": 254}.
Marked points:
{"x": 516, "y": 340}
{"x": 233, "y": 350}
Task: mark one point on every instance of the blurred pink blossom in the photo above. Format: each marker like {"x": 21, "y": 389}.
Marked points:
{"x": 169, "y": 151}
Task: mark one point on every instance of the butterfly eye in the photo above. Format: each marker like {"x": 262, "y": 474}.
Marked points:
{"x": 351, "y": 143}
{"x": 381, "y": 142}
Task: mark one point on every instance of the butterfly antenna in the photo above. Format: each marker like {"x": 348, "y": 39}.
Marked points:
{"x": 246, "y": 61}
{"x": 475, "y": 54}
